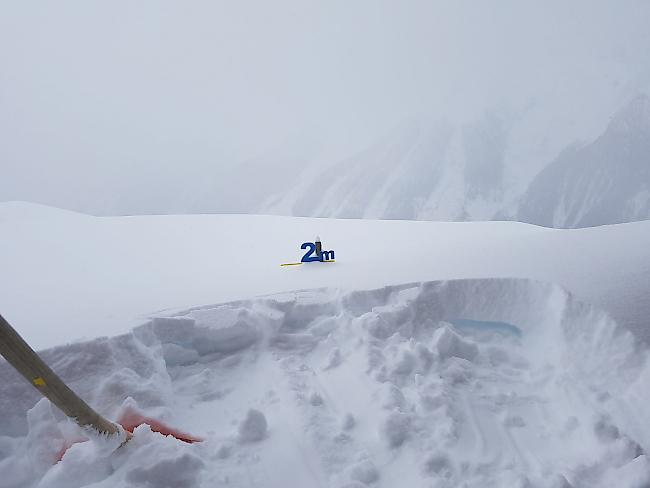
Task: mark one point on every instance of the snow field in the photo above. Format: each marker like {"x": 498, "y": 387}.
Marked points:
{"x": 69, "y": 276}
{"x": 371, "y": 388}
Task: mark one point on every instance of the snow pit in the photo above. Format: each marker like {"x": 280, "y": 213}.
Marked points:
{"x": 411, "y": 397}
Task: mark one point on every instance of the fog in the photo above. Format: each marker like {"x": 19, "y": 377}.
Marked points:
{"x": 120, "y": 98}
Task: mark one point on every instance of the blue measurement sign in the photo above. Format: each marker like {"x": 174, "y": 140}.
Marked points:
{"x": 312, "y": 255}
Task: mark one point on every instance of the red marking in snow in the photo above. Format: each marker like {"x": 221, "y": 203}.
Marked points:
{"x": 67, "y": 445}
{"x": 130, "y": 420}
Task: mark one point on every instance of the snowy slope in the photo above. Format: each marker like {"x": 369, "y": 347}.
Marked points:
{"x": 366, "y": 381}
{"x": 605, "y": 181}
{"x": 475, "y": 170}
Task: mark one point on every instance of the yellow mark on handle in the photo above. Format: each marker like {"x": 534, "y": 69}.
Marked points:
{"x": 38, "y": 381}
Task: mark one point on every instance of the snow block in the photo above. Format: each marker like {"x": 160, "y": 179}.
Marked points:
{"x": 254, "y": 427}
{"x": 183, "y": 471}
{"x": 449, "y": 344}
{"x": 365, "y": 472}
{"x": 183, "y": 332}
{"x": 396, "y": 429}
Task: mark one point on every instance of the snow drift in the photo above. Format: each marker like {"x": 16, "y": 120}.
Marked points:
{"x": 494, "y": 382}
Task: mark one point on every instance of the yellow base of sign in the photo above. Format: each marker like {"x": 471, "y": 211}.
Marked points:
{"x": 298, "y": 264}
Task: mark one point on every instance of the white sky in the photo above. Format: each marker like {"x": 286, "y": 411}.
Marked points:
{"x": 93, "y": 93}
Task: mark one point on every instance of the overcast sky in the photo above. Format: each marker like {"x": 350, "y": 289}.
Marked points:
{"x": 92, "y": 93}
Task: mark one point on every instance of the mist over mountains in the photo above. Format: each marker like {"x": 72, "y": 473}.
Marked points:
{"x": 422, "y": 110}
{"x": 605, "y": 181}
{"x": 444, "y": 173}
{"x": 424, "y": 170}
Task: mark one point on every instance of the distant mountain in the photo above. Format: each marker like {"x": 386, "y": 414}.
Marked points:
{"x": 392, "y": 178}
{"x": 499, "y": 164}
{"x": 422, "y": 170}
{"x": 441, "y": 171}
{"x": 604, "y": 182}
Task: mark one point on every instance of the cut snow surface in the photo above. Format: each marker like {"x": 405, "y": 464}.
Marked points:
{"x": 428, "y": 354}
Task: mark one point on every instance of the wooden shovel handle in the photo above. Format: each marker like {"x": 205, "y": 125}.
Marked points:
{"x": 22, "y": 357}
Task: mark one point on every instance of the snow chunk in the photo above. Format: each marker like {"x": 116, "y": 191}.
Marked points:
{"x": 635, "y": 474}
{"x": 176, "y": 355}
{"x": 605, "y": 430}
{"x": 333, "y": 360}
{"x": 405, "y": 364}
{"x": 253, "y": 428}
{"x": 348, "y": 422}
{"x": 396, "y": 428}
{"x": 514, "y": 421}
{"x": 439, "y": 464}
{"x": 457, "y": 371}
{"x": 44, "y": 440}
{"x": 175, "y": 473}
{"x": 559, "y": 481}
{"x": 392, "y": 397}
{"x": 212, "y": 336}
{"x": 34, "y": 454}
{"x": 315, "y": 399}
{"x": 224, "y": 451}
{"x": 365, "y": 472}
{"x": 449, "y": 344}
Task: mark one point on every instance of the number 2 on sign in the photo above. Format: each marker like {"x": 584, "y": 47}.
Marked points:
{"x": 311, "y": 254}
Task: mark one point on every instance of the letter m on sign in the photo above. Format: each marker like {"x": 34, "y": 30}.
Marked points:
{"x": 327, "y": 255}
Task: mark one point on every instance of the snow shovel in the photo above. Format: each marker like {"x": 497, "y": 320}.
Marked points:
{"x": 22, "y": 357}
